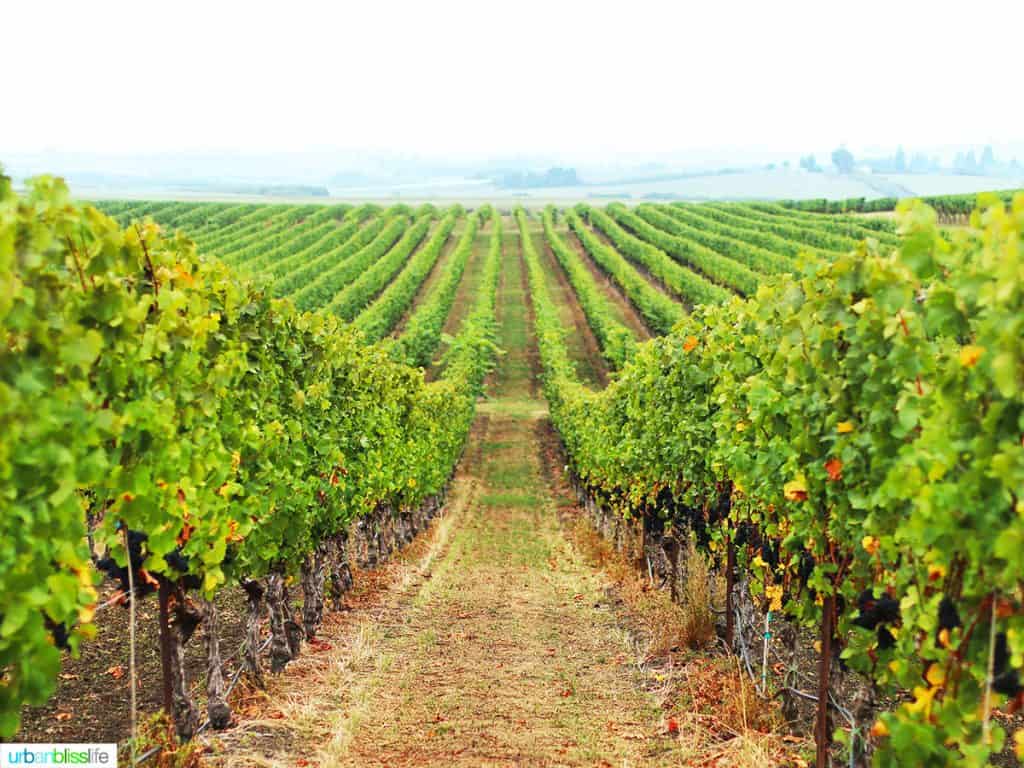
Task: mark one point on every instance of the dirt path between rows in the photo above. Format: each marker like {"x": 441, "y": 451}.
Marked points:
{"x": 465, "y": 295}
{"x": 628, "y": 314}
{"x": 643, "y": 271}
{"x": 433, "y": 276}
{"x": 583, "y": 346}
{"x": 499, "y": 645}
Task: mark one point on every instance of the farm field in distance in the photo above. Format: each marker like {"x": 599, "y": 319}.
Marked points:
{"x": 593, "y": 484}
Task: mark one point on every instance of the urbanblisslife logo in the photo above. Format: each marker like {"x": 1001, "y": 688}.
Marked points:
{"x": 79, "y": 755}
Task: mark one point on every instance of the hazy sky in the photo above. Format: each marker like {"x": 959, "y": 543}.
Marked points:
{"x": 447, "y": 77}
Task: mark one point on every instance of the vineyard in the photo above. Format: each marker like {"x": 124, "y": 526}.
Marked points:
{"x": 244, "y": 410}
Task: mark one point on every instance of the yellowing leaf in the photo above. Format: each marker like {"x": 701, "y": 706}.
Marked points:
{"x": 690, "y": 343}
{"x": 935, "y": 675}
{"x": 936, "y": 572}
{"x": 85, "y": 577}
{"x": 879, "y": 730}
{"x": 970, "y": 355}
{"x": 922, "y": 700}
{"x": 844, "y": 427}
{"x": 741, "y": 426}
{"x": 796, "y": 490}
{"x": 870, "y": 544}
{"x": 182, "y": 274}
{"x": 774, "y": 595}
{"x": 1018, "y": 743}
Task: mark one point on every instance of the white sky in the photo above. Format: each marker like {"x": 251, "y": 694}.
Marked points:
{"x": 455, "y": 77}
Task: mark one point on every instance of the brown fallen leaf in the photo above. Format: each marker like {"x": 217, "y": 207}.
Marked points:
{"x": 116, "y": 671}
{"x": 63, "y": 717}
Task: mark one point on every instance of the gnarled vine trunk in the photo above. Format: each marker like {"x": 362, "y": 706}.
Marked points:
{"x": 177, "y": 623}
{"x": 185, "y": 713}
{"x": 280, "y": 649}
{"x": 292, "y": 628}
{"x": 217, "y": 708}
{"x": 251, "y": 647}
{"x": 340, "y": 570}
{"x": 314, "y": 576}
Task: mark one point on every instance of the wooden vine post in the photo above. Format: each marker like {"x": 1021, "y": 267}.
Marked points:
{"x": 730, "y": 586}
{"x": 822, "y": 726}
{"x": 165, "y": 645}
{"x": 730, "y": 570}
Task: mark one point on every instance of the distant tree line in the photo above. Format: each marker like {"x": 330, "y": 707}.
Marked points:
{"x": 899, "y": 163}
{"x": 964, "y": 163}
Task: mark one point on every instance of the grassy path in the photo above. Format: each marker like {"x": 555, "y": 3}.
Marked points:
{"x": 505, "y": 655}
{"x": 498, "y": 646}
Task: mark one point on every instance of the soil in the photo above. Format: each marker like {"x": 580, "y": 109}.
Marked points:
{"x": 91, "y": 703}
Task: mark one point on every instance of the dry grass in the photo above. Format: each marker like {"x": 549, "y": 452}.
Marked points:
{"x": 665, "y": 625}
{"x": 309, "y": 714}
{"x": 158, "y": 730}
{"x": 508, "y": 654}
{"x": 717, "y": 714}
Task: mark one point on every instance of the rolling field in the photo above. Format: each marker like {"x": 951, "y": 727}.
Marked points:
{"x": 529, "y": 472}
